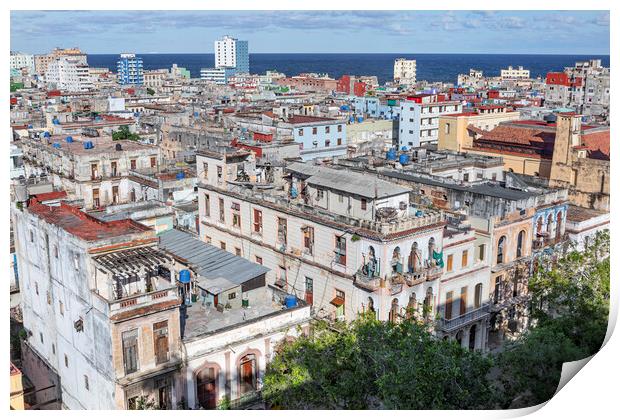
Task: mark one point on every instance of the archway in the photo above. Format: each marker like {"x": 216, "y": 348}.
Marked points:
{"x": 414, "y": 258}
{"x": 207, "y": 386}
{"x": 394, "y": 310}
{"x": 412, "y": 306}
{"x": 558, "y": 227}
{"x": 472, "y": 337}
{"x": 248, "y": 374}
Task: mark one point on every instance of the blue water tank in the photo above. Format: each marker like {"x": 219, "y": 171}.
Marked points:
{"x": 181, "y": 175}
{"x": 293, "y": 192}
{"x": 56, "y": 145}
{"x": 47, "y": 134}
{"x": 403, "y": 149}
{"x": 29, "y": 125}
{"x": 391, "y": 154}
{"x": 360, "y": 119}
{"x": 351, "y": 119}
{"x": 69, "y": 139}
{"x": 88, "y": 145}
{"x": 290, "y": 301}
{"x": 403, "y": 159}
{"x": 344, "y": 107}
{"x": 419, "y": 213}
{"x": 195, "y": 114}
{"x": 184, "y": 276}
{"x": 55, "y": 121}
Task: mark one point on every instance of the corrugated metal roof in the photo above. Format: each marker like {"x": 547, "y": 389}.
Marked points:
{"x": 362, "y": 184}
{"x": 219, "y": 268}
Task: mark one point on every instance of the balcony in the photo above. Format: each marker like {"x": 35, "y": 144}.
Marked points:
{"x": 368, "y": 277}
{"x": 422, "y": 275}
{"x": 143, "y": 300}
{"x": 449, "y": 325}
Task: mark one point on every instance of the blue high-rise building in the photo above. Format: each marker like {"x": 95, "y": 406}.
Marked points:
{"x": 130, "y": 70}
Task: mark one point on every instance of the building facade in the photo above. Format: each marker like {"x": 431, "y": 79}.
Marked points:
{"x": 419, "y": 119}
{"x": 404, "y": 71}
{"x": 232, "y": 53}
{"x": 130, "y": 70}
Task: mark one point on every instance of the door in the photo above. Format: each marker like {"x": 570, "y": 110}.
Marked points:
{"x": 207, "y": 388}
{"x": 247, "y": 374}
{"x": 309, "y": 290}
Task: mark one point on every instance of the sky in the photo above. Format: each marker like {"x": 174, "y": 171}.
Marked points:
{"x": 502, "y": 32}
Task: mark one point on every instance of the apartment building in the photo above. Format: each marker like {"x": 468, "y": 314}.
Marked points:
{"x": 404, "y": 71}
{"x": 515, "y": 73}
{"x": 19, "y": 60}
{"x": 130, "y": 70}
{"x": 319, "y": 137}
{"x": 419, "y": 119}
{"x": 42, "y": 61}
{"x": 154, "y": 79}
{"x": 69, "y": 74}
{"x": 94, "y": 170}
{"x": 232, "y": 53}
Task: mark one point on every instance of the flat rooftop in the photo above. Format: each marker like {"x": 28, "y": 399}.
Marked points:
{"x": 205, "y": 320}
{"x": 82, "y": 225}
{"x": 103, "y": 144}
{"x": 581, "y": 214}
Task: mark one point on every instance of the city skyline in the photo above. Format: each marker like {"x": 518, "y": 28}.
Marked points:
{"x": 419, "y": 32}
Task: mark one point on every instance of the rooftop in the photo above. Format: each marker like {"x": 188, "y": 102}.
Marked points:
{"x": 103, "y": 144}
{"x": 82, "y": 225}
{"x": 220, "y": 270}
{"x": 581, "y": 214}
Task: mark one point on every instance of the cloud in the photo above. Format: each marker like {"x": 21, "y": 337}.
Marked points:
{"x": 602, "y": 19}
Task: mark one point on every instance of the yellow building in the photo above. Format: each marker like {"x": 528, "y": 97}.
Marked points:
{"x": 453, "y": 132}
{"x": 17, "y": 389}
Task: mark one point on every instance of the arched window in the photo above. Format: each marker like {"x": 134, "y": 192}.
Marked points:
{"x": 500, "y": 249}
{"x": 520, "y": 240}
{"x": 206, "y": 387}
{"x": 558, "y": 227}
{"x": 248, "y": 373}
{"x": 397, "y": 265}
{"x": 431, "y": 249}
{"x": 472, "y": 337}
{"x": 394, "y": 310}
{"x": 550, "y": 226}
{"x": 428, "y": 302}
{"x": 412, "y": 305}
{"x": 414, "y": 258}
{"x": 539, "y": 225}
{"x": 371, "y": 305}
{"x": 478, "y": 296}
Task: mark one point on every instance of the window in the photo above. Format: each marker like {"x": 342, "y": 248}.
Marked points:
{"x": 132, "y": 164}
{"x": 205, "y": 169}
{"x": 282, "y": 279}
{"x": 160, "y": 341}
{"x": 223, "y": 245}
{"x": 66, "y": 361}
{"x": 86, "y": 386}
{"x": 207, "y": 205}
{"x": 130, "y": 351}
{"x": 463, "y": 301}
{"x": 41, "y": 337}
{"x": 478, "y": 296}
{"x": 96, "y": 197}
{"x": 258, "y": 221}
{"x": 500, "y": 249}
{"x": 247, "y": 374}
{"x": 36, "y": 288}
{"x": 222, "y": 217}
{"x": 153, "y": 161}
{"x": 447, "y": 128}
{"x": 115, "y": 194}
{"x": 314, "y": 130}
{"x": 300, "y": 132}
{"x": 308, "y": 238}
{"x": 232, "y": 296}
{"x": 53, "y": 349}
{"x": 464, "y": 259}
{"x": 327, "y": 130}
{"x": 497, "y": 293}
{"x": 309, "y": 291}
{"x": 319, "y": 194}
{"x": 448, "y": 310}
{"x": 520, "y": 239}
{"x": 282, "y": 230}
{"x": 341, "y": 250}
{"x": 327, "y": 143}
{"x": 236, "y": 215}
{"x": 339, "y": 302}
{"x": 114, "y": 169}
{"x": 219, "y": 174}
{"x": 466, "y": 177}
{"x": 61, "y": 308}
{"x": 259, "y": 260}
{"x": 76, "y": 261}
{"x": 449, "y": 262}
{"x": 340, "y": 129}
{"x": 481, "y": 252}
{"x": 94, "y": 171}
{"x": 31, "y": 236}
{"x": 238, "y": 251}
{"x": 340, "y": 198}
{"x": 339, "y": 142}
{"x": 364, "y": 204}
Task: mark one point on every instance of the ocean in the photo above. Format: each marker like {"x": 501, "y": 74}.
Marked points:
{"x": 431, "y": 67}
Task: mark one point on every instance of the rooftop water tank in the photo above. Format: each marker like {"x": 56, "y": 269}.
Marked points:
{"x": 403, "y": 159}
{"x": 55, "y": 121}
{"x": 344, "y": 107}
{"x": 184, "y": 276}
{"x": 69, "y": 139}
{"x": 391, "y": 154}
{"x": 56, "y": 145}
{"x": 181, "y": 175}
{"x": 46, "y": 134}
{"x": 360, "y": 119}
{"x": 351, "y": 119}
{"x": 29, "y": 125}
{"x": 290, "y": 301}
{"x": 403, "y": 149}
{"x": 195, "y": 114}
{"x": 419, "y": 213}
{"x": 293, "y": 192}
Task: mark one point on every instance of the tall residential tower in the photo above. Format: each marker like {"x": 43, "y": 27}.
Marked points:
{"x": 130, "y": 70}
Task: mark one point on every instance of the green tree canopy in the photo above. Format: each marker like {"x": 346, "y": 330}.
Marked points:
{"x": 371, "y": 364}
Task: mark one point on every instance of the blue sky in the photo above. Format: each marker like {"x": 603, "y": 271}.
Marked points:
{"x": 508, "y": 32}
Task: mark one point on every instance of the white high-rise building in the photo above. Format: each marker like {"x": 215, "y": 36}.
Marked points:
{"x": 404, "y": 71}
{"x": 512, "y": 73}
{"x": 19, "y": 61}
{"x": 232, "y": 53}
{"x": 68, "y": 73}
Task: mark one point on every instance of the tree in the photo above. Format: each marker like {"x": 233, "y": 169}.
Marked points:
{"x": 569, "y": 311}
{"x": 150, "y": 91}
{"x": 145, "y": 403}
{"x": 123, "y": 133}
{"x": 370, "y": 364}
